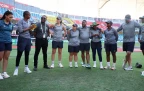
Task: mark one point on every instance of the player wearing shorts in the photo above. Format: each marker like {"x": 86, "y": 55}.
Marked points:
{"x": 111, "y": 38}
{"x": 73, "y": 45}
{"x": 128, "y": 39}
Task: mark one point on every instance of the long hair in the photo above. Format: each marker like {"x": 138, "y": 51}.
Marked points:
{"x": 6, "y": 13}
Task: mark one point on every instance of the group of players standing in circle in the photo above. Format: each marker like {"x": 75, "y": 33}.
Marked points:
{"x": 79, "y": 40}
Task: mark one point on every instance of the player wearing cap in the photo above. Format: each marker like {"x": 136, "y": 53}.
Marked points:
{"x": 41, "y": 33}
{"x": 111, "y": 38}
{"x": 141, "y": 37}
{"x": 57, "y": 40}
{"x": 96, "y": 36}
{"x": 73, "y": 45}
{"x": 84, "y": 44}
{"x": 128, "y": 39}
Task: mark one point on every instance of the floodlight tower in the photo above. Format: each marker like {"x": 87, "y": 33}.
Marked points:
{"x": 101, "y": 4}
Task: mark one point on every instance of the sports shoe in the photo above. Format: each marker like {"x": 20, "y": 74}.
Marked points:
{"x": 27, "y": 70}
{"x": 83, "y": 65}
{"x": 52, "y": 66}
{"x": 5, "y": 75}
{"x": 88, "y": 66}
{"x": 35, "y": 69}
{"x": 142, "y": 73}
{"x": 113, "y": 68}
{"x": 46, "y": 67}
{"x": 70, "y": 65}
{"x": 15, "y": 72}
{"x": 1, "y": 77}
{"x": 60, "y": 65}
{"x": 76, "y": 65}
{"x": 94, "y": 65}
{"x": 107, "y": 67}
{"x": 101, "y": 67}
{"x": 128, "y": 69}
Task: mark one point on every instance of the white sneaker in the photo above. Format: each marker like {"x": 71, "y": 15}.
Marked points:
{"x": 15, "y": 72}
{"x": 94, "y": 66}
{"x": 113, "y": 68}
{"x": 70, "y": 65}
{"x": 83, "y": 65}
{"x": 5, "y": 75}
{"x": 101, "y": 67}
{"x": 76, "y": 65}
{"x": 1, "y": 77}
{"x": 88, "y": 66}
{"x": 107, "y": 67}
{"x": 128, "y": 69}
{"x": 27, "y": 70}
{"x": 60, "y": 65}
{"x": 142, "y": 73}
{"x": 52, "y": 66}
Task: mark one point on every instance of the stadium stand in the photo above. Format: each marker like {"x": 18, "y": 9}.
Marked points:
{"x": 18, "y": 8}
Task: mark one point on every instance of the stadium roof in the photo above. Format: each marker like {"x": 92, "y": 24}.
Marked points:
{"x": 94, "y": 8}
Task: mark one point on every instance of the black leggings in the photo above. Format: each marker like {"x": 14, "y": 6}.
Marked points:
{"x": 18, "y": 58}
{"x": 96, "y": 46}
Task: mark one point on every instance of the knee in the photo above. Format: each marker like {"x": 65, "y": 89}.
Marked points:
{"x": 82, "y": 54}
{"x": 75, "y": 54}
{"x": 6, "y": 57}
{"x": 108, "y": 54}
{"x": 53, "y": 51}
{"x": 1, "y": 58}
{"x": 71, "y": 54}
{"x": 59, "y": 52}
{"x": 87, "y": 53}
{"x": 128, "y": 53}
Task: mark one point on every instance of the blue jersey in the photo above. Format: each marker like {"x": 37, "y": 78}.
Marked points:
{"x": 5, "y": 32}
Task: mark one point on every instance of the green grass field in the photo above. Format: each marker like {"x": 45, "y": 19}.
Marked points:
{"x": 74, "y": 79}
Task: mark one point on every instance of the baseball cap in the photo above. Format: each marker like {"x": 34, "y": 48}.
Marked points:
{"x": 109, "y": 22}
{"x": 59, "y": 18}
{"x": 75, "y": 25}
{"x": 127, "y": 17}
{"x": 141, "y": 17}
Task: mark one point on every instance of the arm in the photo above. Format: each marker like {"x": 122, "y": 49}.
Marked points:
{"x": 20, "y": 28}
{"x": 116, "y": 34}
{"x": 100, "y": 34}
{"x": 68, "y": 35}
{"x": 119, "y": 29}
{"x": 65, "y": 31}
{"x": 139, "y": 35}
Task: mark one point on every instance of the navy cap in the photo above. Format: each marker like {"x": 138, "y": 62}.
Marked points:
{"x": 141, "y": 17}
{"x": 59, "y": 18}
{"x": 75, "y": 25}
{"x": 127, "y": 17}
{"x": 109, "y": 22}
{"x": 84, "y": 21}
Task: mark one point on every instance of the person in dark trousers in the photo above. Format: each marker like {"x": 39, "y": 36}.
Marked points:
{"x": 85, "y": 44}
{"x": 96, "y": 36}
{"x": 41, "y": 33}
{"x": 111, "y": 38}
{"x": 128, "y": 39}
{"x": 6, "y": 28}
{"x": 24, "y": 41}
{"x": 73, "y": 45}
